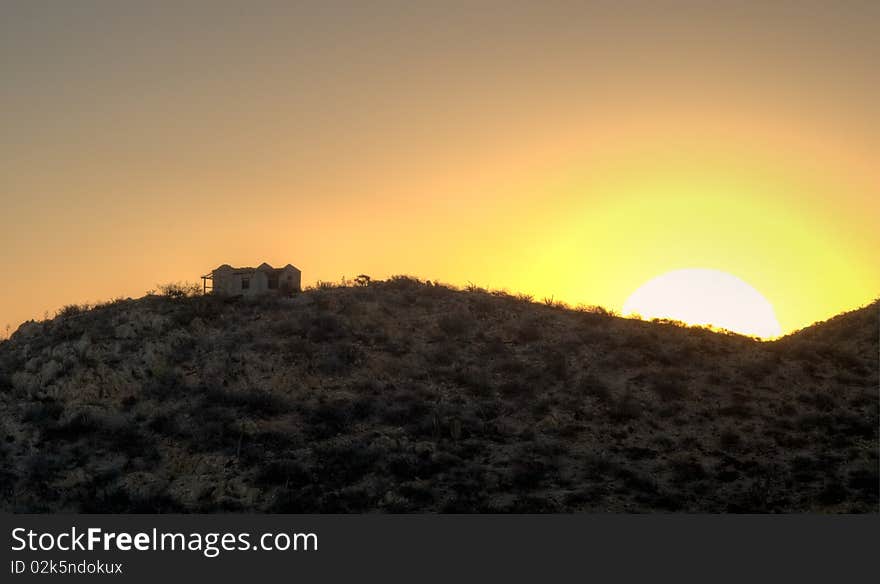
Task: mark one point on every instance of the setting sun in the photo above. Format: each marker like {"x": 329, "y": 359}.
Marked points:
{"x": 705, "y": 297}
{"x": 494, "y": 257}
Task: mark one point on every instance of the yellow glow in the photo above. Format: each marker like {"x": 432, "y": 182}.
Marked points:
{"x": 596, "y": 236}
{"x": 526, "y": 148}
{"x": 705, "y": 297}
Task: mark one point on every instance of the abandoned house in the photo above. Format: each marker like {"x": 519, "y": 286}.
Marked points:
{"x": 229, "y": 281}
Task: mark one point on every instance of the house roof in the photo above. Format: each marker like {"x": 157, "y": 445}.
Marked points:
{"x": 264, "y": 267}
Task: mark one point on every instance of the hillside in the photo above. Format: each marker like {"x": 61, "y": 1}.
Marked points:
{"x": 403, "y": 396}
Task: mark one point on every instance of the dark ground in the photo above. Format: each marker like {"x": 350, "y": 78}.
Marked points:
{"x": 407, "y": 397}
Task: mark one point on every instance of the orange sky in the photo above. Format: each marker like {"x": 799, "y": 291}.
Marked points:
{"x": 566, "y": 149}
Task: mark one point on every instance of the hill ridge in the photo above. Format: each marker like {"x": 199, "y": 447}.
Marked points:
{"x": 403, "y": 396}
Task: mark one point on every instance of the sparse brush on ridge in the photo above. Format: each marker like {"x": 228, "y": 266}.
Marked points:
{"x": 178, "y": 290}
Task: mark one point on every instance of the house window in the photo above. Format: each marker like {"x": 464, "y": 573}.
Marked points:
{"x": 245, "y": 283}
{"x": 273, "y": 282}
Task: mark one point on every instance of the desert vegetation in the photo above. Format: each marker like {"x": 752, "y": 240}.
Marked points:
{"x": 410, "y": 396}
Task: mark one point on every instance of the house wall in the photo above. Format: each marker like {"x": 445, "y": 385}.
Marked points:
{"x": 259, "y": 283}
{"x": 290, "y": 278}
{"x": 227, "y": 281}
{"x": 224, "y": 283}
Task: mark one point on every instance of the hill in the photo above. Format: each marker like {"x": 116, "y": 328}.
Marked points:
{"x": 403, "y": 396}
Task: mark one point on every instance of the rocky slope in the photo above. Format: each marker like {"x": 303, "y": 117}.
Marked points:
{"x": 403, "y": 396}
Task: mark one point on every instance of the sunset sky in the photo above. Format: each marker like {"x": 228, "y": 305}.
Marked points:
{"x": 572, "y": 149}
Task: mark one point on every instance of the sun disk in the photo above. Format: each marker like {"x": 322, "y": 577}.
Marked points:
{"x": 705, "y": 297}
